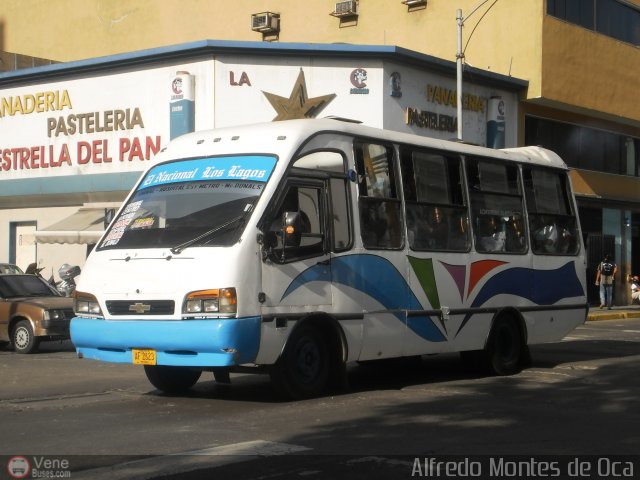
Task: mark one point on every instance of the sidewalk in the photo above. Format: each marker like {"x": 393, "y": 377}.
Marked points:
{"x": 627, "y": 311}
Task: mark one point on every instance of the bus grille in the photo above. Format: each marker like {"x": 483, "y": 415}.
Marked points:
{"x": 141, "y": 307}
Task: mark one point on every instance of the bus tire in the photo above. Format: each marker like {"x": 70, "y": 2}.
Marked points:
{"x": 171, "y": 379}
{"x": 505, "y": 348}
{"x": 302, "y": 371}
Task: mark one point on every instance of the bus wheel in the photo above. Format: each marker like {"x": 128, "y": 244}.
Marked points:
{"x": 505, "y": 347}
{"x": 302, "y": 371}
{"x": 171, "y": 379}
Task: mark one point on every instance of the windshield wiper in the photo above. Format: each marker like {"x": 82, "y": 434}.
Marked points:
{"x": 179, "y": 248}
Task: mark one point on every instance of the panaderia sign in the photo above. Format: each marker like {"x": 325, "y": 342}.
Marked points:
{"x": 108, "y": 124}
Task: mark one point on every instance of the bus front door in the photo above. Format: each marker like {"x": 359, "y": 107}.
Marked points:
{"x": 297, "y": 267}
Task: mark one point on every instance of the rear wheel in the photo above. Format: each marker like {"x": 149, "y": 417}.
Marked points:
{"x": 23, "y": 339}
{"x": 172, "y": 379}
{"x": 505, "y": 347}
{"x": 302, "y": 371}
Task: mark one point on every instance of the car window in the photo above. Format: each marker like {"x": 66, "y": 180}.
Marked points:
{"x": 24, "y": 286}
{"x": 7, "y": 268}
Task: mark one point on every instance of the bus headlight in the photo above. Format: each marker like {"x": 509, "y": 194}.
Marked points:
{"x": 218, "y": 300}
{"x": 86, "y": 304}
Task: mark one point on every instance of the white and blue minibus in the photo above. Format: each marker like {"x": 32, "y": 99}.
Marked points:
{"x": 296, "y": 247}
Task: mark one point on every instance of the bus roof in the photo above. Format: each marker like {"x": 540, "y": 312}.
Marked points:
{"x": 287, "y": 135}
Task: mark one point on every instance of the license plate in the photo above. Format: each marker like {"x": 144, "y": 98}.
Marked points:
{"x": 144, "y": 357}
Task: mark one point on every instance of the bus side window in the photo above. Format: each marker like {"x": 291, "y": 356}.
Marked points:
{"x": 333, "y": 164}
{"x": 435, "y": 204}
{"x": 378, "y": 203}
{"x": 553, "y": 227}
{"x": 340, "y": 218}
{"x": 497, "y": 207}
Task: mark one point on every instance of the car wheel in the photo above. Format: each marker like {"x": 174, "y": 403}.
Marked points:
{"x": 172, "y": 380}
{"x": 302, "y": 371}
{"x": 23, "y": 339}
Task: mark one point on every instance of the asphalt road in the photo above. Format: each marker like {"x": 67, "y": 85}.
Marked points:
{"x": 578, "y": 402}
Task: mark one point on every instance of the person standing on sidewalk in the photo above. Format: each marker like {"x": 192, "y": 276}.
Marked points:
{"x": 635, "y": 289}
{"x": 605, "y": 275}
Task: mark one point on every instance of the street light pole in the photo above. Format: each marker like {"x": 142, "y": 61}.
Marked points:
{"x": 459, "y": 57}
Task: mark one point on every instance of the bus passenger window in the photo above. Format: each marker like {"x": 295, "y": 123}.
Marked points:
{"x": 428, "y": 228}
{"x": 491, "y": 235}
{"x": 515, "y": 240}
{"x": 552, "y": 221}
{"x": 496, "y": 206}
{"x": 435, "y": 203}
{"x": 341, "y": 221}
{"x": 378, "y": 203}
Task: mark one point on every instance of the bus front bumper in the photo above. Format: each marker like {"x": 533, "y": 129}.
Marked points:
{"x": 186, "y": 343}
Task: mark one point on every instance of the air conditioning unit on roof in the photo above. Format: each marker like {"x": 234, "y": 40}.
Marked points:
{"x": 265, "y": 22}
{"x": 345, "y": 9}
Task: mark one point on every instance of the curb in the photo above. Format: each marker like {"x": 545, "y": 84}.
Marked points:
{"x": 609, "y": 315}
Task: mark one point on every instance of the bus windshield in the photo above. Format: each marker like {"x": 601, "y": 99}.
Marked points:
{"x": 190, "y": 203}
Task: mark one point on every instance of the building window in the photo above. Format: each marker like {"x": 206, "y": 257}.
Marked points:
{"x": 618, "y": 20}
{"x": 585, "y": 148}
{"x": 580, "y": 12}
{"x": 612, "y": 18}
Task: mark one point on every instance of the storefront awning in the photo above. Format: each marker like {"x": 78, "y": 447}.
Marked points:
{"x": 85, "y": 226}
{"x": 605, "y": 186}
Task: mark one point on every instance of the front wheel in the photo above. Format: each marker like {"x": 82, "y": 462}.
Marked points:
{"x": 23, "y": 339}
{"x": 171, "y": 379}
{"x": 302, "y": 371}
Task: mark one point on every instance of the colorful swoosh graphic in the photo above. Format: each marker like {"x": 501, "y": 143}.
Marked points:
{"x": 376, "y": 277}
{"x": 551, "y": 286}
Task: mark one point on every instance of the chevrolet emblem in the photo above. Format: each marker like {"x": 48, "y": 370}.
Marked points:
{"x": 139, "y": 308}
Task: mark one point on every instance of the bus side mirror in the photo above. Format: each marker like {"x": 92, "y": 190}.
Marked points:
{"x": 289, "y": 232}
{"x": 291, "y": 229}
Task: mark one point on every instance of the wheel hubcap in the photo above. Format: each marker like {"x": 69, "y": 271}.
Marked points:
{"x": 22, "y": 338}
{"x": 506, "y": 344}
{"x": 308, "y": 360}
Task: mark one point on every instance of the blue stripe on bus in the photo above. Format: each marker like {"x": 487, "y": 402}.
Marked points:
{"x": 541, "y": 287}
{"x": 196, "y": 343}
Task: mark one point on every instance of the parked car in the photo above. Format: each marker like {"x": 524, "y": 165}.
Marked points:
{"x": 32, "y": 310}
{"x": 9, "y": 268}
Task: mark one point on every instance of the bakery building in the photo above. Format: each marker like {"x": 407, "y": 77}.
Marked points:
{"x": 77, "y": 135}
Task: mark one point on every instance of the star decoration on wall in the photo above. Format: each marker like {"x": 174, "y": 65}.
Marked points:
{"x": 298, "y": 105}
